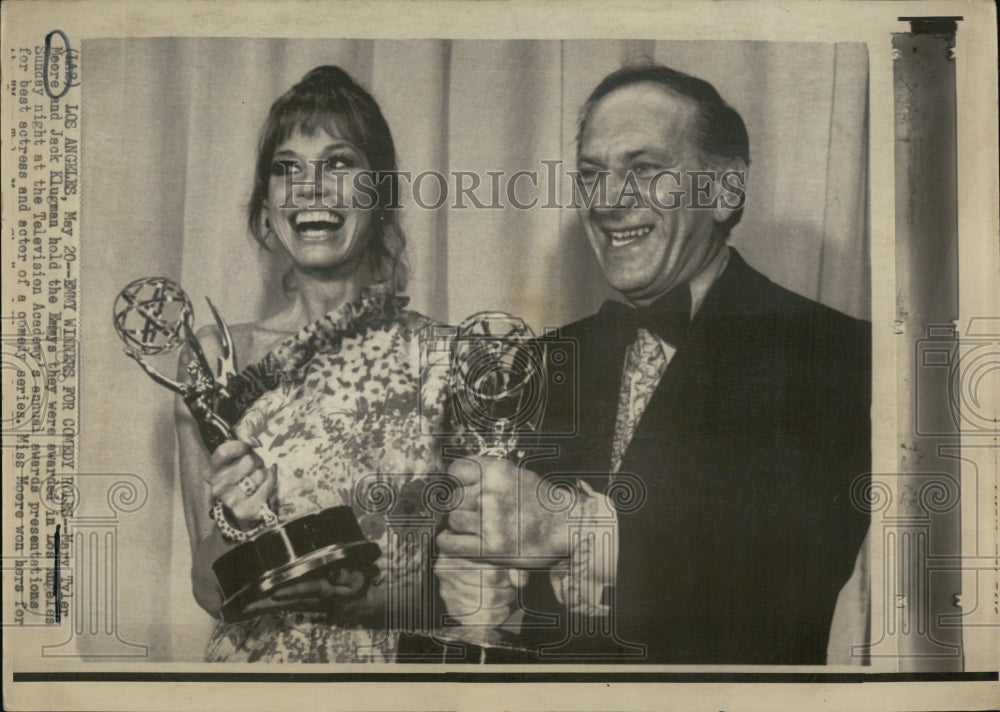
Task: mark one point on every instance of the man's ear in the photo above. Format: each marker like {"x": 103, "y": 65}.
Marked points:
{"x": 730, "y": 191}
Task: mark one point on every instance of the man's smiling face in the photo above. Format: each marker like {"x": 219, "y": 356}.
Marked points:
{"x": 645, "y": 245}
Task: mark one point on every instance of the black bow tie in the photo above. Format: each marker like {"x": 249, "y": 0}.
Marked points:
{"x": 668, "y": 317}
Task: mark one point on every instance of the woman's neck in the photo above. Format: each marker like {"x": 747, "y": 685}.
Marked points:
{"x": 314, "y": 297}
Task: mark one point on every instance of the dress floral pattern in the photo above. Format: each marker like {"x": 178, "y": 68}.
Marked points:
{"x": 349, "y": 400}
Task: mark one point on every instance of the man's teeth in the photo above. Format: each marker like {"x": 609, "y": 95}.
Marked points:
{"x": 624, "y": 236}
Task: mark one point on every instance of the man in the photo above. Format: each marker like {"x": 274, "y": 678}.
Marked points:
{"x": 733, "y": 414}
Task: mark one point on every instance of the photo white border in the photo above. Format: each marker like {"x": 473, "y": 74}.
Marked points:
{"x": 868, "y": 22}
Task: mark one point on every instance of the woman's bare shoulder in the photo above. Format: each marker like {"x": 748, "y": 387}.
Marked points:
{"x": 251, "y": 341}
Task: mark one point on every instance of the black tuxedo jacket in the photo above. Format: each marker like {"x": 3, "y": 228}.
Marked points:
{"x": 748, "y": 451}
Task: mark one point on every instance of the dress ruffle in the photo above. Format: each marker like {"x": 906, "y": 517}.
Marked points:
{"x": 376, "y": 310}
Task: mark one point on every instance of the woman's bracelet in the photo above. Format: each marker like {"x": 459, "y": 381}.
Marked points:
{"x": 228, "y": 531}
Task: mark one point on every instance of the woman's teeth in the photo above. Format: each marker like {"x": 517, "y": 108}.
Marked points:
{"x": 620, "y": 238}
{"x": 317, "y": 223}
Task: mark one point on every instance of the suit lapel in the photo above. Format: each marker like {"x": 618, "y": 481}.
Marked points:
{"x": 688, "y": 386}
{"x": 603, "y": 354}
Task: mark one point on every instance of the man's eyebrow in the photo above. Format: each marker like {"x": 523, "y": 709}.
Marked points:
{"x": 630, "y": 155}
{"x": 647, "y": 151}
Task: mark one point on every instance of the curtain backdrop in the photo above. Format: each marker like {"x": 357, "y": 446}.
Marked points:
{"x": 170, "y": 129}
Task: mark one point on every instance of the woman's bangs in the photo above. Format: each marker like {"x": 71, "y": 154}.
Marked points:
{"x": 308, "y": 119}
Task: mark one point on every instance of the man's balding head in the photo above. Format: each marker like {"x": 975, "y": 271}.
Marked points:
{"x": 720, "y": 132}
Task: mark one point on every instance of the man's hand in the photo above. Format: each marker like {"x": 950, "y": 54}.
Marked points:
{"x": 474, "y": 594}
{"x": 500, "y": 519}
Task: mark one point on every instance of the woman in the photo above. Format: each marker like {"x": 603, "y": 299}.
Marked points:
{"x": 335, "y": 392}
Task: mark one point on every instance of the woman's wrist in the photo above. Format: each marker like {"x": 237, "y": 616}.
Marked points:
{"x": 232, "y": 529}
{"x": 206, "y": 589}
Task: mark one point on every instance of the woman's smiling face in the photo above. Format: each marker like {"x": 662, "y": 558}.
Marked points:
{"x": 313, "y": 205}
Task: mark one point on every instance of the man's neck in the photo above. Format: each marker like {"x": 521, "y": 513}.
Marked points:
{"x": 702, "y": 282}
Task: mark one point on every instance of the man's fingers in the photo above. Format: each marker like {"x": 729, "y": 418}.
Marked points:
{"x": 470, "y": 498}
{"x": 461, "y": 545}
{"x": 462, "y": 522}
{"x": 471, "y": 573}
{"x": 468, "y": 471}
{"x": 453, "y": 571}
{"x": 491, "y": 474}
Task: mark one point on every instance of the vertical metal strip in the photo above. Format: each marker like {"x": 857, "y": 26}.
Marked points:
{"x": 926, "y": 297}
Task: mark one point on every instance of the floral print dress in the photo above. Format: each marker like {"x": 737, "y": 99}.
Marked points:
{"x": 348, "y": 401}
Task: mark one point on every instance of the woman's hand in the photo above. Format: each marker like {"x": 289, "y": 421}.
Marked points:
{"x": 342, "y": 592}
{"x": 237, "y": 477}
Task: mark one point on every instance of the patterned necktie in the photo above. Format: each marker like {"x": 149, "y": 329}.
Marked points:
{"x": 666, "y": 320}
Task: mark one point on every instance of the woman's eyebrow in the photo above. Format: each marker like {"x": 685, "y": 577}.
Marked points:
{"x": 341, "y": 143}
{"x": 330, "y": 147}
